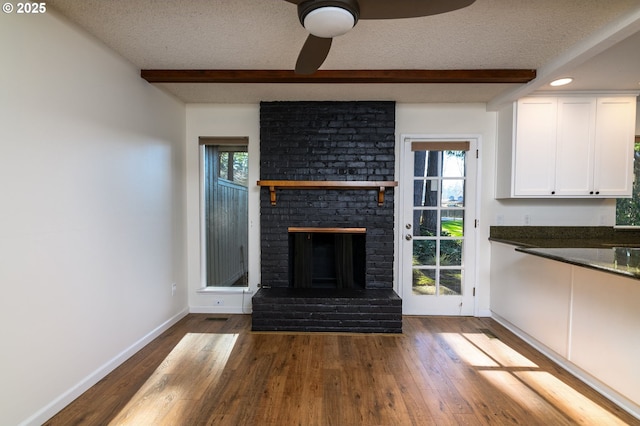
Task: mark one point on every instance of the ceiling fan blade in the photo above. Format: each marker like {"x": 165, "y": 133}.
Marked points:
{"x": 313, "y": 54}
{"x": 385, "y": 9}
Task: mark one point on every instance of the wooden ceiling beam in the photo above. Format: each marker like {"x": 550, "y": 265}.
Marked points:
{"x": 342, "y": 76}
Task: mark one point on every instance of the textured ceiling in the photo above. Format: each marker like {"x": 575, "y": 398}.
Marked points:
{"x": 266, "y": 34}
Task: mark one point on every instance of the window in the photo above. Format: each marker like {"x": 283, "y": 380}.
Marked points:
{"x": 225, "y": 213}
{"x": 628, "y": 209}
{"x": 232, "y": 164}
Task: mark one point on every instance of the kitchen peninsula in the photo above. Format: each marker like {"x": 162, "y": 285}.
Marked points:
{"x": 573, "y": 293}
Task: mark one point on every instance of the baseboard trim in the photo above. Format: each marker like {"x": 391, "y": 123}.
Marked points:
{"x": 219, "y": 310}
{"x": 611, "y": 394}
{"x": 49, "y": 410}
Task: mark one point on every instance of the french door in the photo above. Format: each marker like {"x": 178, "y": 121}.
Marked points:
{"x": 438, "y": 212}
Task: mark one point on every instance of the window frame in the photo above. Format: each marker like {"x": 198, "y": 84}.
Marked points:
{"x": 225, "y": 142}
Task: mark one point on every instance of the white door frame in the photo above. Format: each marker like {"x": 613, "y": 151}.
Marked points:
{"x": 403, "y": 204}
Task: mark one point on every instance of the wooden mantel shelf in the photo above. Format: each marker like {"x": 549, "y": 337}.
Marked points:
{"x": 327, "y": 184}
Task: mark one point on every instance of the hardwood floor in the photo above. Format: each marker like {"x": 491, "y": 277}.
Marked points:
{"x": 212, "y": 370}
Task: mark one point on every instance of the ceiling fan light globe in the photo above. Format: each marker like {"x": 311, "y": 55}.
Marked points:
{"x": 329, "y": 22}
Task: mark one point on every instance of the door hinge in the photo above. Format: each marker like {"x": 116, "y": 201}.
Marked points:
{"x": 474, "y": 292}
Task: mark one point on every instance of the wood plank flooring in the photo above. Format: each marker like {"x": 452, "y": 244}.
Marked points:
{"x": 212, "y": 370}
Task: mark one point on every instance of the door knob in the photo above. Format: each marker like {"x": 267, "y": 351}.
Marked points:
{"x": 408, "y": 237}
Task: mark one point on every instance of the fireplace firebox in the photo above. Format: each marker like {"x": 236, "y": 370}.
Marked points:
{"x": 330, "y": 258}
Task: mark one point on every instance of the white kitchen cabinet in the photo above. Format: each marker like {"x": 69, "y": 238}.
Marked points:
{"x": 604, "y": 333}
{"x": 575, "y": 146}
{"x": 615, "y": 128}
{"x": 535, "y": 150}
{"x": 567, "y": 147}
{"x": 533, "y": 294}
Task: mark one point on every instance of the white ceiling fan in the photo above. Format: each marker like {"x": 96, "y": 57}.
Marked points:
{"x": 326, "y": 19}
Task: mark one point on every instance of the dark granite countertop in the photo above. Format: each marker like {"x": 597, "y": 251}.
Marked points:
{"x": 618, "y": 260}
{"x": 603, "y": 248}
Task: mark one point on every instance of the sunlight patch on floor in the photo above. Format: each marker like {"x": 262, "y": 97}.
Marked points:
{"x": 194, "y": 364}
{"x": 501, "y": 353}
{"x": 523, "y": 381}
{"x": 467, "y": 351}
{"x": 509, "y": 385}
{"x": 562, "y": 396}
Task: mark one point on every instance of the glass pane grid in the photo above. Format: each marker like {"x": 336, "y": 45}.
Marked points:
{"x": 439, "y": 206}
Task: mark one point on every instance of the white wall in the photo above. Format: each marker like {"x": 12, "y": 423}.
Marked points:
{"x": 218, "y": 121}
{"x": 91, "y": 217}
{"x": 442, "y": 119}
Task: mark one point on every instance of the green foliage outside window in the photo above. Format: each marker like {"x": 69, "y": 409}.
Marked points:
{"x": 233, "y": 165}
{"x": 628, "y": 209}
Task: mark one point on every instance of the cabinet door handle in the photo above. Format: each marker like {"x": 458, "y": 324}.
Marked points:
{"x": 553, "y": 192}
{"x": 591, "y": 192}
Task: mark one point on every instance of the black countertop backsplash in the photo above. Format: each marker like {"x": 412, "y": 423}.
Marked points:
{"x": 566, "y": 236}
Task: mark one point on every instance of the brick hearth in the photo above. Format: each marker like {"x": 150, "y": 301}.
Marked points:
{"x": 357, "y": 311}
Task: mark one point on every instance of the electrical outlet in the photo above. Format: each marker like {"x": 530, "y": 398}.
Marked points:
{"x": 173, "y": 289}
{"x": 218, "y": 302}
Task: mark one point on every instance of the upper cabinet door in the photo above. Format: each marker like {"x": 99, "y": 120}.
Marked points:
{"x": 570, "y": 146}
{"x": 535, "y": 146}
{"x": 615, "y": 128}
{"x": 575, "y": 146}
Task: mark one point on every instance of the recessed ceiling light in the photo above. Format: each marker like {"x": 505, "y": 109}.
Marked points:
{"x": 561, "y": 81}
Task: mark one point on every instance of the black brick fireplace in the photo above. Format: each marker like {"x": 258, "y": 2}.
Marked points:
{"x": 327, "y": 141}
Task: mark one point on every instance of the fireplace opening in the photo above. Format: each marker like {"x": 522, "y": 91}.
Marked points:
{"x": 329, "y": 258}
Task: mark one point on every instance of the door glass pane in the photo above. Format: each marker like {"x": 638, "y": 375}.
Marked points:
{"x": 451, "y": 282}
{"x": 425, "y": 223}
{"x": 424, "y": 281}
{"x": 424, "y": 252}
{"x": 453, "y": 193}
{"x": 425, "y": 193}
{"x": 452, "y": 223}
{"x": 453, "y": 164}
{"x": 450, "y": 252}
{"x": 426, "y": 163}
